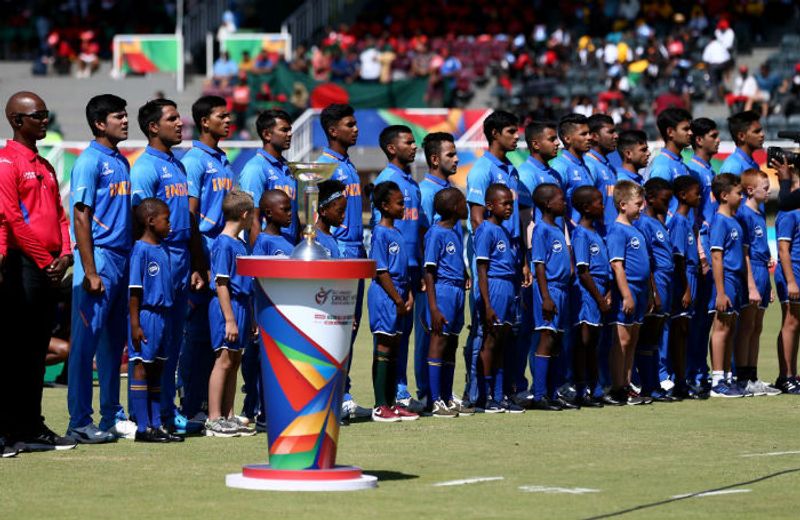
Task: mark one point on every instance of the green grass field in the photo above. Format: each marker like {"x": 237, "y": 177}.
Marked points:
{"x": 634, "y": 458}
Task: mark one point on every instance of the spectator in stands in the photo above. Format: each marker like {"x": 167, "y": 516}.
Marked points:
{"x": 421, "y": 60}
{"x": 264, "y": 63}
{"x": 225, "y": 69}
{"x": 672, "y": 98}
{"x": 300, "y": 59}
{"x": 344, "y": 66}
{"x": 768, "y": 81}
{"x": 246, "y": 64}
{"x": 320, "y": 64}
{"x": 448, "y": 72}
{"x": 385, "y": 58}
{"x": 88, "y": 61}
{"x": 717, "y": 58}
{"x": 790, "y": 93}
{"x": 227, "y": 27}
{"x": 746, "y": 91}
{"x": 725, "y": 35}
{"x": 370, "y": 67}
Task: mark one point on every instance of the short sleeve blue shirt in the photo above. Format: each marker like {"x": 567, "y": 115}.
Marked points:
{"x": 263, "y": 173}
{"x": 100, "y": 180}
{"x": 210, "y": 179}
{"x": 549, "y": 247}
{"x": 532, "y": 173}
{"x": 224, "y": 252}
{"x": 162, "y": 175}
{"x": 667, "y": 166}
{"x": 351, "y": 232}
{"x": 657, "y": 237}
{"x": 737, "y": 162}
{"x": 628, "y": 244}
{"x": 389, "y": 253}
{"x": 787, "y": 229}
{"x": 590, "y": 250}
{"x": 708, "y": 204}
{"x": 681, "y": 234}
{"x": 605, "y": 179}
{"x": 150, "y": 271}
{"x": 489, "y": 170}
{"x": 754, "y": 225}
{"x": 495, "y": 244}
{"x": 624, "y": 174}
{"x": 575, "y": 174}
{"x": 428, "y": 189}
{"x": 328, "y": 242}
{"x": 272, "y": 245}
{"x": 444, "y": 250}
{"x": 727, "y": 236}
{"x": 410, "y": 225}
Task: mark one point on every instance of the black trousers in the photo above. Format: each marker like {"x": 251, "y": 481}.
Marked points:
{"x": 27, "y": 315}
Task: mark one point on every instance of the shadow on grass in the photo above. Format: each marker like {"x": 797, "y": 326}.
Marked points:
{"x": 387, "y": 475}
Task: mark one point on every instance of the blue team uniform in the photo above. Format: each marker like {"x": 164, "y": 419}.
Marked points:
{"x": 624, "y": 174}
{"x": 532, "y": 173}
{"x": 727, "y": 236}
{"x": 443, "y": 250}
{"x": 549, "y": 247}
{"x": 787, "y": 229}
{"x": 605, "y": 178}
{"x": 329, "y": 244}
{"x": 681, "y": 235}
{"x": 100, "y": 181}
{"x": 409, "y": 226}
{"x": 663, "y": 264}
{"x": 754, "y": 225}
{"x": 272, "y": 245}
{"x": 210, "y": 178}
{"x": 151, "y": 272}
{"x": 162, "y": 175}
{"x": 737, "y": 162}
{"x": 224, "y": 252}
{"x": 263, "y": 173}
{"x": 628, "y": 244}
{"x": 389, "y": 252}
{"x": 703, "y": 172}
{"x": 615, "y": 159}
{"x": 668, "y": 166}
{"x": 590, "y": 250}
{"x": 489, "y": 170}
{"x": 575, "y": 174}
{"x": 495, "y": 245}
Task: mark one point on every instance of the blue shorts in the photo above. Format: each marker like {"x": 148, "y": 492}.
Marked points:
{"x": 677, "y": 295}
{"x": 735, "y": 287}
{"x": 664, "y": 285}
{"x": 560, "y": 296}
{"x": 761, "y": 277}
{"x": 383, "y": 318}
{"x": 781, "y": 290}
{"x": 450, "y": 301}
{"x": 587, "y": 310}
{"x": 502, "y": 298}
{"x": 156, "y": 331}
{"x": 639, "y": 292}
{"x": 216, "y": 322}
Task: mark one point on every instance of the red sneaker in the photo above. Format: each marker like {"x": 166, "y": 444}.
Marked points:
{"x": 404, "y": 414}
{"x": 384, "y": 414}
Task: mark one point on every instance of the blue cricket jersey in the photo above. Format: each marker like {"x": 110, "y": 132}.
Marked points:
{"x": 159, "y": 174}
{"x": 389, "y": 252}
{"x": 727, "y": 236}
{"x": 351, "y": 232}
{"x": 532, "y": 173}
{"x": 444, "y": 249}
{"x": 624, "y": 174}
{"x": 681, "y": 234}
{"x": 428, "y": 189}
{"x": 657, "y": 237}
{"x": 549, "y": 247}
{"x": 150, "y": 271}
{"x": 590, "y": 250}
{"x": 489, "y": 170}
{"x": 328, "y": 242}
{"x": 224, "y": 252}
{"x": 575, "y": 173}
{"x": 708, "y": 204}
{"x": 263, "y": 173}
{"x": 210, "y": 179}
{"x": 667, "y": 165}
{"x": 737, "y": 162}
{"x": 605, "y": 178}
{"x": 628, "y": 244}
{"x": 615, "y": 159}
{"x": 100, "y": 180}
{"x": 754, "y": 225}
{"x": 409, "y": 227}
{"x": 787, "y": 229}
{"x": 272, "y": 245}
{"x": 496, "y": 245}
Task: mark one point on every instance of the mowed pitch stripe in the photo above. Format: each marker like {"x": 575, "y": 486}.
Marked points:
{"x": 771, "y": 454}
{"x": 714, "y": 493}
{"x": 463, "y": 481}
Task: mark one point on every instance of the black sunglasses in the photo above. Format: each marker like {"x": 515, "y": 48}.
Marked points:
{"x": 39, "y": 115}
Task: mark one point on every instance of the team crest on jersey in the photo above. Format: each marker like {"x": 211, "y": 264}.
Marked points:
{"x": 635, "y": 242}
{"x": 557, "y": 246}
{"x": 594, "y": 249}
{"x": 394, "y": 248}
{"x": 758, "y": 232}
{"x": 501, "y": 246}
{"x": 153, "y": 268}
{"x": 106, "y": 170}
{"x": 210, "y": 168}
{"x": 165, "y": 174}
{"x": 279, "y": 252}
{"x": 691, "y": 239}
{"x": 450, "y": 248}
{"x": 734, "y": 234}
{"x": 660, "y": 235}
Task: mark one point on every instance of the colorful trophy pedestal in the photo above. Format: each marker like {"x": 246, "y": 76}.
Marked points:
{"x": 304, "y": 312}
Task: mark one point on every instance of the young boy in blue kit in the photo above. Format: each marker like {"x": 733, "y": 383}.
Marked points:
{"x": 687, "y": 190}
{"x": 651, "y": 351}
{"x": 151, "y": 295}
{"x": 631, "y": 293}
{"x": 331, "y": 210}
{"x": 445, "y": 276}
{"x": 390, "y": 299}
{"x": 497, "y": 265}
{"x": 229, "y": 316}
{"x": 729, "y": 271}
{"x": 552, "y": 271}
{"x": 276, "y": 208}
{"x": 591, "y": 294}
{"x": 755, "y": 184}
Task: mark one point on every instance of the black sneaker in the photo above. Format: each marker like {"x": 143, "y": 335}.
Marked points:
{"x": 171, "y": 437}
{"x": 7, "y": 451}
{"x": 662, "y": 396}
{"x": 567, "y": 404}
{"x": 589, "y": 401}
{"x": 48, "y": 440}
{"x": 261, "y": 424}
{"x": 615, "y": 398}
{"x": 635, "y": 398}
{"x": 545, "y": 404}
{"x": 511, "y": 406}
{"x": 151, "y": 435}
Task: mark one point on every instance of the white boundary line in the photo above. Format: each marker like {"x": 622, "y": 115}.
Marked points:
{"x": 771, "y": 454}
{"x": 713, "y": 493}
{"x": 472, "y": 480}
{"x": 551, "y": 490}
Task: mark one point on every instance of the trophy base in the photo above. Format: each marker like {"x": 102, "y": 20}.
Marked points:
{"x": 264, "y": 478}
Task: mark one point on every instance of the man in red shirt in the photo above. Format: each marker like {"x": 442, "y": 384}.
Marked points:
{"x": 38, "y": 254}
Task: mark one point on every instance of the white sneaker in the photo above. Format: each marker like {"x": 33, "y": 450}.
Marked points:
{"x": 754, "y": 388}
{"x": 667, "y": 385}
{"x": 767, "y": 388}
{"x": 352, "y": 410}
{"x": 242, "y": 420}
{"x": 411, "y": 404}
{"x": 124, "y": 429}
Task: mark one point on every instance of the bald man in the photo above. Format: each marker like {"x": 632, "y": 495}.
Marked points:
{"x": 38, "y": 254}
